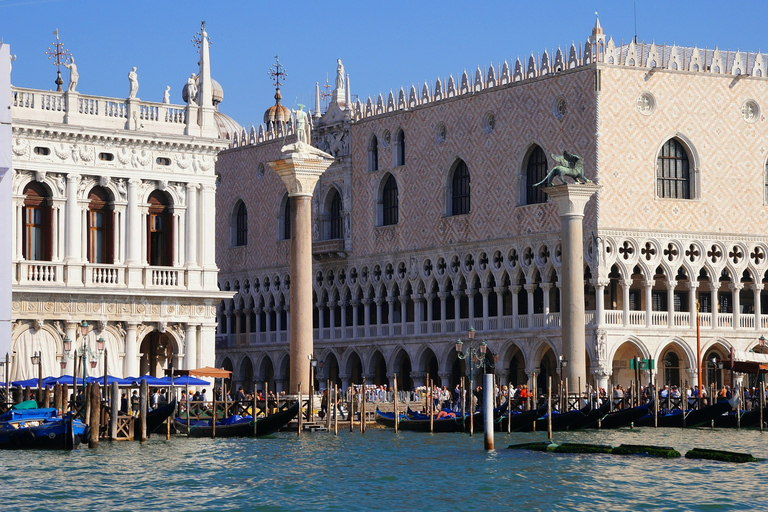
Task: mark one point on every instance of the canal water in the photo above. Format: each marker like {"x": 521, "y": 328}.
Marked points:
{"x": 384, "y": 471}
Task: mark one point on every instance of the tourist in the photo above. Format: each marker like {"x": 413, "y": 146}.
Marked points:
{"x": 135, "y": 403}
{"x": 124, "y": 403}
{"x": 618, "y": 397}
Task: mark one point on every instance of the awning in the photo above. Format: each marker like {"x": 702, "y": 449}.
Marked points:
{"x": 747, "y": 362}
{"x": 216, "y": 373}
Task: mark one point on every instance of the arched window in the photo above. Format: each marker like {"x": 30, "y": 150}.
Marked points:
{"x": 399, "y": 149}
{"x": 390, "y": 202}
{"x": 535, "y": 171}
{"x": 673, "y": 177}
{"x": 37, "y": 234}
{"x": 240, "y": 237}
{"x": 159, "y": 230}
{"x": 286, "y": 231}
{"x": 460, "y": 193}
{"x": 100, "y": 227}
{"x": 334, "y": 216}
{"x": 373, "y": 154}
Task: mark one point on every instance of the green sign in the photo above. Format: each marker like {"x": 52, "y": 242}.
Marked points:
{"x": 641, "y": 364}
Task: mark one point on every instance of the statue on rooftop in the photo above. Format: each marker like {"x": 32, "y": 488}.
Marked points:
{"x": 569, "y": 165}
{"x": 191, "y": 90}
{"x": 133, "y": 80}
{"x": 73, "y": 74}
{"x": 339, "y": 74}
{"x": 167, "y": 94}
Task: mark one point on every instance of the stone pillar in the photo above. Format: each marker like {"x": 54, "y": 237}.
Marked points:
{"x": 73, "y": 255}
{"x": 379, "y": 301}
{"x": 626, "y": 284}
{"x": 530, "y": 288}
{"x": 599, "y": 301}
{"x": 430, "y": 311}
{"x": 70, "y": 331}
{"x": 258, "y": 323}
{"x": 499, "y": 305}
{"x": 191, "y": 252}
{"x": 602, "y": 375}
{"x": 367, "y": 316}
{"x": 133, "y": 234}
{"x": 332, "y": 319}
{"x": 268, "y": 310}
{"x": 735, "y": 293}
{"x": 207, "y": 345}
{"x": 278, "y": 321}
{"x": 757, "y": 288}
{"x": 545, "y": 288}
{"x": 403, "y": 314}
{"x": 343, "y": 305}
{"x": 391, "y": 316}
{"x": 648, "y": 287}
{"x": 470, "y": 293}
{"x": 485, "y": 292}
{"x": 131, "y": 362}
{"x": 671, "y": 302}
{"x": 456, "y": 311}
{"x": 355, "y": 317}
{"x": 515, "y": 290}
{"x": 713, "y": 287}
{"x": 570, "y": 201}
{"x": 320, "y": 319}
{"x": 443, "y": 310}
{"x": 418, "y": 312}
{"x": 692, "y": 302}
{"x": 190, "y": 361}
{"x": 300, "y": 171}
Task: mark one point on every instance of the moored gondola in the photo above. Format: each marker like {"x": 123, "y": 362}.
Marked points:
{"x": 689, "y": 419}
{"x": 239, "y": 426}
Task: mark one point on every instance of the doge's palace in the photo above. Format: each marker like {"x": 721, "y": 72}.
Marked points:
{"x": 113, "y": 225}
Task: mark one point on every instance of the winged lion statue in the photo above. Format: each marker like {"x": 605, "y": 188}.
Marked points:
{"x": 568, "y": 165}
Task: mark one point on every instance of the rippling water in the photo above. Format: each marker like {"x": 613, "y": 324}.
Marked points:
{"x": 384, "y": 471}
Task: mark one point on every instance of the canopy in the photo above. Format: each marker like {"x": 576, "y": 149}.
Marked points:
{"x": 151, "y": 381}
{"x": 747, "y": 362}
{"x": 216, "y": 373}
{"x": 186, "y": 380}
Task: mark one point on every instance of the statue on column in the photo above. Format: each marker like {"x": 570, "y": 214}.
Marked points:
{"x": 133, "y": 80}
{"x": 191, "y": 90}
{"x": 303, "y": 130}
{"x": 73, "y": 74}
{"x": 571, "y": 166}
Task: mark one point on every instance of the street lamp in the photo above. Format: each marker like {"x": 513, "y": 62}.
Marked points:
{"x": 311, "y": 406}
{"x": 35, "y": 358}
{"x": 473, "y": 355}
{"x": 83, "y": 352}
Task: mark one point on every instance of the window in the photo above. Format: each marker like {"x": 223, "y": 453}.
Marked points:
{"x": 159, "y": 230}
{"x": 535, "y": 171}
{"x": 37, "y": 233}
{"x": 100, "y": 222}
{"x": 373, "y": 154}
{"x": 399, "y": 149}
{"x": 335, "y": 217}
{"x": 390, "y": 202}
{"x": 673, "y": 177}
{"x": 241, "y": 225}
{"x": 286, "y": 234}
{"x": 460, "y": 193}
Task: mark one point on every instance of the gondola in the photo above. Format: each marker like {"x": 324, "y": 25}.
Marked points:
{"x": 238, "y": 426}
{"x": 620, "y": 418}
{"x": 692, "y": 418}
{"x": 520, "y": 420}
{"x": 157, "y": 417}
{"x": 749, "y": 419}
{"x": 457, "y": 424}
{"x": 571, "y": 420}
{"x": 40, "y": 428}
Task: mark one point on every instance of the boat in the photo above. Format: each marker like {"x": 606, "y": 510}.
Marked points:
{"x": 421, "y": 422}
{"x": 749, "y": 419}
{"x": 156, "y": 417}
{"x": 691, "y": 418}
{"x": 520, "y": 420}
{"x": 238, "y": 426}
{"x": 40, "y": 428}
{"x": 620, "y": 418}
{"x": 571, "y": 420}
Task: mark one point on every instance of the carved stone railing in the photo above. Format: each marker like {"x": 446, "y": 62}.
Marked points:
{"x": 103, "y": 275}
{"x": 167, "y": 277}
{"x": 40, "y": 272}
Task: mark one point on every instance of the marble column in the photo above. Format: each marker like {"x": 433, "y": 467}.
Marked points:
{"x": 530, "y": 288}
{"x": 499, "y": 306}
{"x": 600, "y": 285}
{"x": 131, "y": 362}
{"x": 470, "y": 293}
{"x": 403, "y": 314}
{"x": 300, "y": 169}
{"x": 192, "y": 247}
{"x": 320, "y": 319}
{"x": 692, "y": 302}
{"x": 757, "y": 288}
{"x": 671, "y": 302}
{"x": 367, "y": 316}
{"x": 715, "y": 304}
{"x": 648, "y": 287}
{"x": 332, "y": 319}
{"x": 570, "y": 201}
{"x": 190, "y": 361}
{"x": 73, "y": 255}
{"x": 429, "y": 297}
{"x": 391, "y": 316}
{"x": 443, "y": 309}
{"x": 736, "y": 294}
{"x": 355, "y": 317}
{"x": 515, "y": 291}
{"x": 626, "y": 285}
{"x": 343, "y": 305}
{"x": 133, "y": 234}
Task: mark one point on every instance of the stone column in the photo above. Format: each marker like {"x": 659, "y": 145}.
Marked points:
{"x": 403, "y": 314}
{"x": 133, "y": 234}
{"x": 320, "y": 319}
{"x": 757, "y": 288}
{"x": 131, "y": 362}
{"x": 470, "y": 293}
{"x": 600, "y": 285}
{"x": 379, "y": 301}
{"x": 648, "y": 287}
{"x": 190, "y": 254}
{"x": 367, "y": 316}
{"x": 430, "y": 311}
{"x": 499, "y": 305}
{"x": 530, "y": 288}
{"x": 570, "y": 201}
{"x": 443, "y": 310}
{"x": 332, "y": 319}
{"x": 735, "y": 293}
{"x": 692, "y": 287}
{"x": 418, "y": 312}
{"x": 355, "y": 317}
{"x": 73, "y": 255}
{"x": 485, "y": 292}
{"x": 300, "y": 172}
{"x": 456, "y": 310}
{"x": 626, "y": 284}
{"x": 715, "y": 304}
{"x": 671, "y": 302}
{"x": 391, "y": 315}
{"x": 545, "y": 288}
{"x": 190, "y": 361}
{"x": 343, "y": 306}
{"x": 515, "y": 290}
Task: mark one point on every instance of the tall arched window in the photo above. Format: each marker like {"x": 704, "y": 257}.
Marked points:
{"x": 535, "y": 171}
{"x": 399, "y": 148}
{"x": 335, "y": 219}
{"x": 673, "y": 177}
{"x": 390, "y": 202}
{"x": 100, "y": 227}
{"x": 37, "y": 234}
{"x": 286, "y": 234}
{"x": 159, "y": 230}
{"x": 373, "y": 154}
{"x": 241, "y": 225}
{"x": 460, "y": 193}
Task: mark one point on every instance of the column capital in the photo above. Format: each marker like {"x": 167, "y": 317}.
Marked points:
{"x": 670, "y": 283}
{"x": 546, "y": 286}
{"x": 571, "y": 198}
{"x": 354, "y": 303}
{"x": 429, "y": 296}
{"x": 714, "y": 286}
{"x": 485, "y": 291}
{"x": 600, "y": 282}
{"x": 736, "y": 287}
{"x": 499, "y": 289}
{"x": 626, "y": 283}
{"x": 757, "y": 287}
{"x": 471, "y": 292}
{"x": 456, "y": 294}
{"x": 648, "y": 283}
{"x": 193, "y": 186}
{"x": 134, "y": 182}
{"x": 403, "y": 298}
{"x": 530, "y": 287}
{"x": 300, "y": 171}
{"x": 515, "y": 289}
{"x": 367, "y": 301}
{"x": 692, "y": 285}
{"x": 443, "y": 295}
{"x": 417, "y": 297}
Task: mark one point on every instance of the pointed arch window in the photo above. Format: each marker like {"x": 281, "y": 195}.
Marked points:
{"x": 399, "y": 148}
{"x": 37, "y": 236}
{"x": 335, "y": 217}
{"x": 286, "y": 232}
{"x": 460, "y": 189}
{"x": 535, "y": 171}
{"x": 159, "y": 230}
{"x": 673, "y": 176}
{"x": 100, "y": 227}
{"x": 373, "y": 154}
{"x": 390, "y": 202}
{"x": 241, "y": 225}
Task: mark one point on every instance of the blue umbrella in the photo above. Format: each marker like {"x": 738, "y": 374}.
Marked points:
{"x": 188, "y": 380}
{"x": 110, "y": 380}
{"x": 32, "y": 383}
{"x": 151, "y": 381}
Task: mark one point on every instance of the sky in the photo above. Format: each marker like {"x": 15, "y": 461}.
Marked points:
{"x": 383, "y": 45}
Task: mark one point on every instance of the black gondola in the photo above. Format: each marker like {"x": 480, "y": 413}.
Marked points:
{"x": 692, "y": 418}
{"x": 157, "y": 417}
{"x": 749, "y": 419}
{"x": 242, "y": 427}
{"x": 620, "y": 418}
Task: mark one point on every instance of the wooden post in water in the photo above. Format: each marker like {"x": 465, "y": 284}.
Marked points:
{"x": 254, "y": 406}
{"x": 106, "y": 388}
{"x": 301, "y": 413}
{"x": 738, "y": 403}
{"x": 266, "y": 399}
{"x": 57, "y": 398}
{"x": 65, "y": 404}
{"x": 114, "y": 410}
{"x": 397, "y": 412}
{"x": 489, "y": 391}
{"x": 363, "y": 425}
{"x": 74, "y": 386}
{"x": 188, "y": 401}
{"x": 86, "y": 403}
{"x": 335, "y": 409}
{"x": 579, "y": 388}
{"x": 95, "y": 417}
{"x": 761, "y": 403}
{"x": 463, "y": 408}
{"x": 567, "y": 396}
{"x": 214, "y": 415}
{"x": 328, "y": 407}
{"x": 46, "y": 397}
{"x": 656, "y": 404}
{"x": 549, "y": 409}
{"x": 143, "y": 408}
{"x": 351, "y": 393}
{"x": 471, "y": 408}
{"x": 431, "y": 409}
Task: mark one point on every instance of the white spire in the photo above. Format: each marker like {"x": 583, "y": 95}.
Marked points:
{"x": 348, "y": 96}
{"x": 317, "y": 99}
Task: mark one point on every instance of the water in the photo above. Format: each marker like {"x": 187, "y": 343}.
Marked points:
{"x": 384, "y": 471}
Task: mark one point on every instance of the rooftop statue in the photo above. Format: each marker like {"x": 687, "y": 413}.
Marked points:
{"x": 167, "y": 94}
{"x": 191, "y": 90}
{"x": 569, "y": 165}
{"x": 339, "y": 74}
{"x": 134, "y": 82}
{"x": 74, "y": 76}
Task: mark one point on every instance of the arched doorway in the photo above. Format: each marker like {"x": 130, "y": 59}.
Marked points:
{"x": 379, "y": 369}
{"x": 548, "y": 368}
{"x": 622, "y": 373}
{"x": 355, "y": 369}
{"x": 429, "y": 363}
{"x": 331, "y": 371}
{"x": 156, "y": 348}
{"x": 267, "y": 374}
{"x": 516, "y": 372}
{"x": 246, "y": 374}
{"x": 403, "y": 370}
{"x": 227, "y": 365}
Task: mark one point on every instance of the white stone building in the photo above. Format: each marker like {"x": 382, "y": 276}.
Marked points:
{"x": 428, "y": 222}
{"x": 113, "y": 224}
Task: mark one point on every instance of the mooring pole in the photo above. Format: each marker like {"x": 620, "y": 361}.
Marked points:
{"x": 549, "y": 409}
{"x": 301, "y": 413}
{"x": 335, "y": 409}
{"x": 143, "y": 403}
{"x": 95, "y": 418}
{"x": 363, "y": 425}
{"x": 114, "y": 410}
{"x": 397, "y": 413}
{"x": 488, "y": 392}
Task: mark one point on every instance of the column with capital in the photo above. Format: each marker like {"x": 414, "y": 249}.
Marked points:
{"x": 499, "y": 290}
{"x": 131, "y": 361}
{"x": 320, "y": 319}
{"x": 571, "y": 199}
{"x": 190, "y": 361}
{"x": 531, "y": 289}
{"x": 714, "y": 286}
{"x": 343, "y": 307}
{"x": 403, "y": 314}
{"x": 300, "y": 167}
{"x": 648, "y": 286}
{"x": 207, "y": 238}
{"x": 190, "y": 254}
{"x": 515, "y": 290}
{"x": 470, "y": 293}
{"x": 133, "y": 234}
{"x": 671, "y": 302}
{"x": 391, "y": 314}
{"x": 600, "y": 285}
{"x": 692, "y": 302}
{"x": 757, "y": 288}
{"x": 332, "y": 318}
{"x": 485, "y": 292}
{"x": 443, "y": 309}
{"x": 73, "y": 256}
{"x": 736, "y": 293}
{"x": 626, "y": 285}
{"x": 429, "y": 297}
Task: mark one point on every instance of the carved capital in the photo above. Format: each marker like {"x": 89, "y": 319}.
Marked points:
{"x": 571, "y": 198}
{"x": 300, "y": 174}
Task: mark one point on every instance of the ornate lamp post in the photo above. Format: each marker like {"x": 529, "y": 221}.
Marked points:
{"x": 83, "y": 353}
{"x": 475, "y": 355}
{"x": 312, "y": 369}
{"x": 36, "y": 362}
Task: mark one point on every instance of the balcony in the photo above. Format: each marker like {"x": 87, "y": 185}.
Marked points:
{"x": 329, "y": 249}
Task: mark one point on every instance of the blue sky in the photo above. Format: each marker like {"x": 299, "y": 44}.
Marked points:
{"x": 384, "y": 45}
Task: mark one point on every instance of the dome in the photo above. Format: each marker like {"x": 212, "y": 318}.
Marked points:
{"x": 277, "y": 112}
{"x": 217, "y": 92}
{"x": 228, "y": 128}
